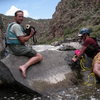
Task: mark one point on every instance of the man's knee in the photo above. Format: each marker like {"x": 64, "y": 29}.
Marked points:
{"x": 96, "y": 68}
{"x": 40, "y": 57}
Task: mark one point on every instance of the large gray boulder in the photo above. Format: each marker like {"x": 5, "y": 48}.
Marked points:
{"x": 48, "y": 76}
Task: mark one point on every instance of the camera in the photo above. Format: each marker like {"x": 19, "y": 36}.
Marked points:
{"x": 28, "y": 29}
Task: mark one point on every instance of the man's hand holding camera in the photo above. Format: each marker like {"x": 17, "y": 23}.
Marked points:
{"x": 32, "y": 32}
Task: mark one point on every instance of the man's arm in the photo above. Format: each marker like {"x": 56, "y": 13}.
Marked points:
{"x": 23, "y": 39}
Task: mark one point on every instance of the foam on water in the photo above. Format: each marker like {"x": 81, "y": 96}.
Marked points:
{"x": 41, "y": 48}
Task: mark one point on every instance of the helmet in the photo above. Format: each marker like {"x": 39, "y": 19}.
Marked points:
{"x": 84, "y": 31}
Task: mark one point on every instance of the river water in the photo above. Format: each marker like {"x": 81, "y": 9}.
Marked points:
{"x": 12, "y": 94}
{"x": 77, "y": 92}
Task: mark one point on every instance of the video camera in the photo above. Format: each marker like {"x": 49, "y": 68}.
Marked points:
{"x": 28, "y": 29}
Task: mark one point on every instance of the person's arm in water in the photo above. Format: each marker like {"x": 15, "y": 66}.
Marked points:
{"x": 82, "y": 50}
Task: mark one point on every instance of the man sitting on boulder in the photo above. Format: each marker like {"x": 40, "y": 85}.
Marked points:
{"x": 15, "y": 40}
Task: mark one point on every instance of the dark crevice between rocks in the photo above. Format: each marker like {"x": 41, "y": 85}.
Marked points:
{"x": 3, "y": 54}
{"x": 7, "y": 81}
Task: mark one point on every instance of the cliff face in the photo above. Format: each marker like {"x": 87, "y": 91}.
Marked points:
{"x": 1, "y": 35}
{"x": 71, "y": 15}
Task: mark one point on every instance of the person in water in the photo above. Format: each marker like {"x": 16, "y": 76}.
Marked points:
{"x": 91, "y": 48}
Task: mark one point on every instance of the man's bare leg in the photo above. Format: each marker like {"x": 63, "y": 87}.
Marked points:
{"x": 96, "y": 69}
{"x": 30, "y": 62}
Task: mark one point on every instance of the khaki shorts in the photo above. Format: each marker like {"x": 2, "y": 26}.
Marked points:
{"x": 22, "y": 50}
{"x": 96, "y": 59}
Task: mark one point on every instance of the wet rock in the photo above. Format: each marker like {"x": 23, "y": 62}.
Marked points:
{"x": 65, "y": 48}
{"x": 48, "y": 76}
{"x": 56, "y": 43}
{"x": 69, "y": 46}
{"x": 5, "y": 75}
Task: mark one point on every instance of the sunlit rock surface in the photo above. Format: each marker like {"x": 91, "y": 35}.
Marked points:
{"x": 50, "y": 75}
